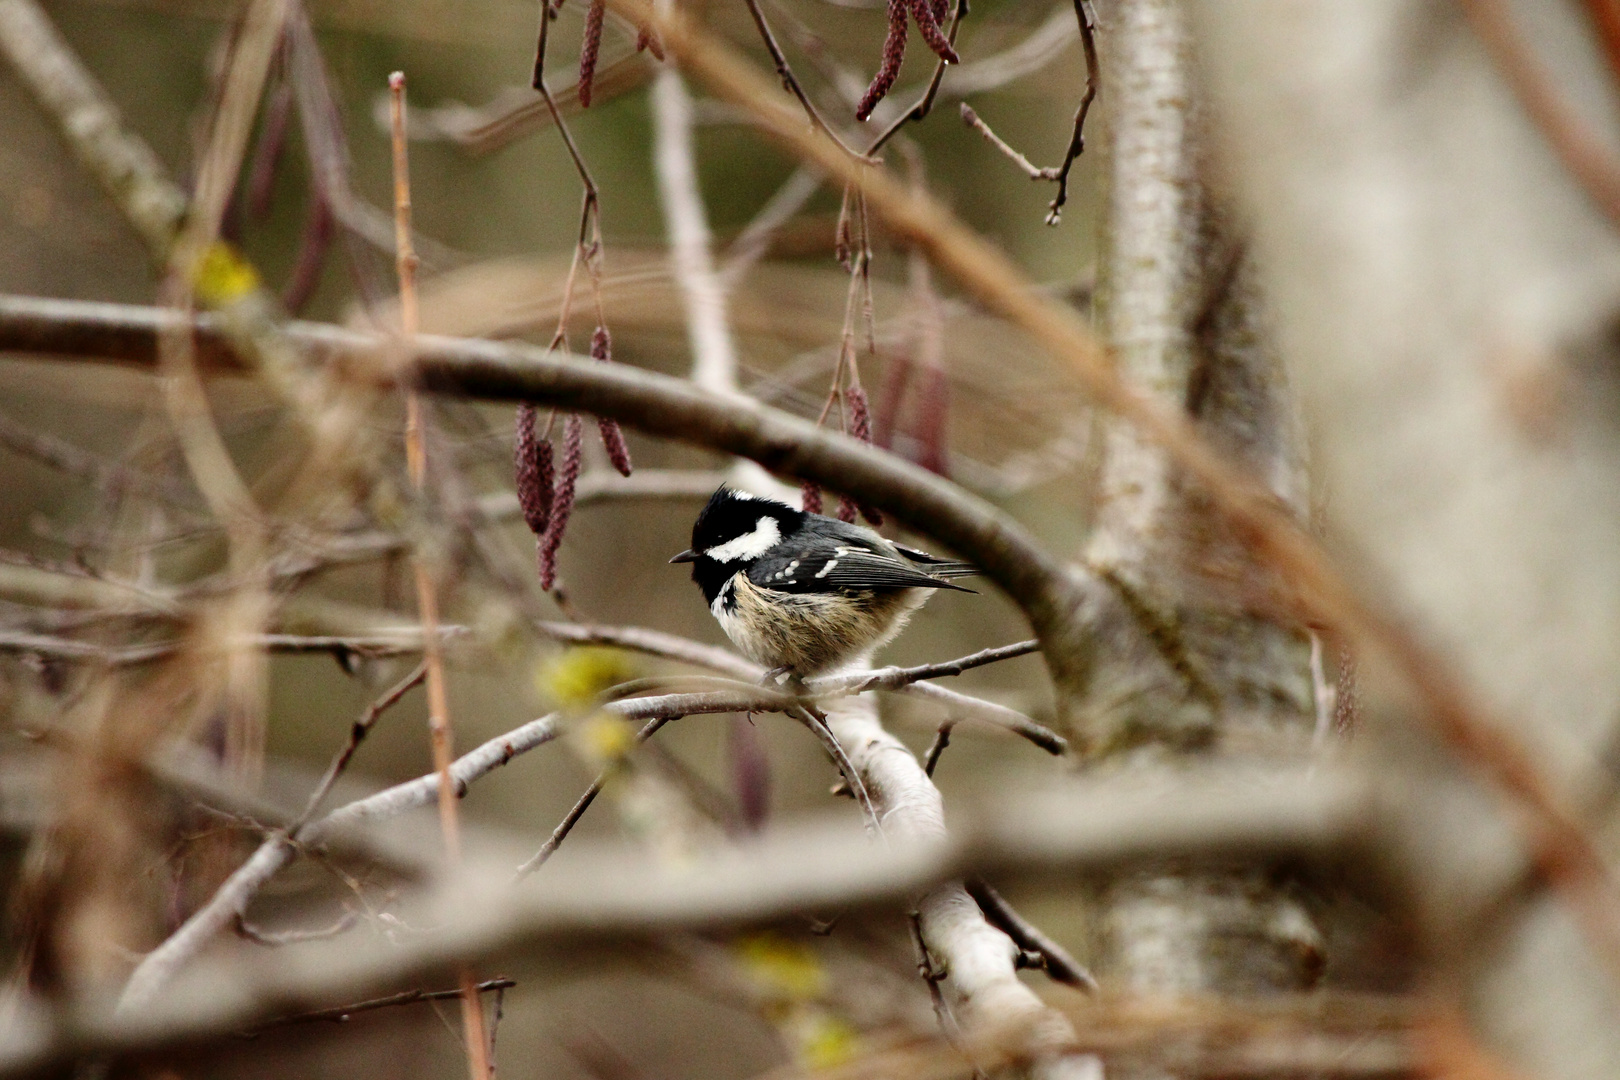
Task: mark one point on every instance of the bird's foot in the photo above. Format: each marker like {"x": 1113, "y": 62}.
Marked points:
{"x": 781, "y": 676}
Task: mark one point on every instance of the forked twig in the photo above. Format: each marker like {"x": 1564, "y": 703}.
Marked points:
{"x": 790, "y": 81}
{"x": 1054, "y": 959}
{"x": 1077, "y": 139}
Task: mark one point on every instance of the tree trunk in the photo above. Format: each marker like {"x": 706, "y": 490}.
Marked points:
{"x": 1194, "y": 653}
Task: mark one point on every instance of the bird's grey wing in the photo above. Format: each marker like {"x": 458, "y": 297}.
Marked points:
{"x": 933, "y": 564}
{"x": 824, "y": 563}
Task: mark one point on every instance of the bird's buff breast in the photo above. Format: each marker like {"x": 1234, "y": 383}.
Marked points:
{"x": 810, "y": 632}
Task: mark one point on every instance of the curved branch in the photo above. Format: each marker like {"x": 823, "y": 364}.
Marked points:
{"x": 653, "y": 403}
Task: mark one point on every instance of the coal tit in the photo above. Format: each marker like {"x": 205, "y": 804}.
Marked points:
{"x": 801, "y": 593}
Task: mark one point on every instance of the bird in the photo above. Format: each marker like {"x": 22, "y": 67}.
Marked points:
{"x": 802, "y": 594}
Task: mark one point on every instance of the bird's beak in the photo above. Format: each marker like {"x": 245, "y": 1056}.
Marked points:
{"x": 686, "y": 556}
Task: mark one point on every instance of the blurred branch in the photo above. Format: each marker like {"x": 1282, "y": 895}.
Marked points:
{"x": 606, "y": 899}
{"x": 1043, "y": 45}
{"x": 121, "y": 161}
{"x": 108, "y": 477}
{"x": 37, "y": 587}
{"x": 1593, "y": 165}
{"x": 1605, "y": 16}
{"x": 755, "y": 240}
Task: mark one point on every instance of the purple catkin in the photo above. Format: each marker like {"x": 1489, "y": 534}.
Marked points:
{"x": 846, "y": 509}
{"x": 860, "y": 426}
{"x": 860, "y": 414}
{"x": 810, "y": 497}
{"x": 941, "y": 10}
{"x": 531, "y": 466}
{"x": 890, "y": 398}
{"x": 618, "y": 451}
{"x": 589, "y": 49}
{"x": 613, "y": 442}
{"x": 562, "y": 505}
{"x": 894, "y": 53}
{"x": 928, "y": 27}
{"x": 932, "y": 406}
{"x": 750, "y": 772}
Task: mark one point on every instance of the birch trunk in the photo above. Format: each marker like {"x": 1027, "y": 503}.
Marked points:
{"x": 1193, "y": 654}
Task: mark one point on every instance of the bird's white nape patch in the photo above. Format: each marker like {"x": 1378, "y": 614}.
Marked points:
{"x": 749, "y": 496}
{"x": 750, "y": 545}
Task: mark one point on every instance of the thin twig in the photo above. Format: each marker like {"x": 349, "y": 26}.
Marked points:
{"x": 892, "y": 677}
{"x": 1055, "y": 959}
{"x": 852, "y": 777}
{"x": 1028, "y": 167}
{"x": 427, "y": 598}
{"x": 582, "y": 804}
{"x": 932, "y": 975}
{"x": 342, "y": 1013}
{"x": 942, "y": 739}
{"x": 357, "y": 732}
{"x": 790, "y": 82}
{"x": 1077, "y": 140}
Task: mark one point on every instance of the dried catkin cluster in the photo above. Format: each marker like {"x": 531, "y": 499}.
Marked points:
{"x": 929, "y": 16}
{"x": 545, "y": 493}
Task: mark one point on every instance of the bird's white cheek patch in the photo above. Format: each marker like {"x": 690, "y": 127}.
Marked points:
{"x": 750, "y": 545}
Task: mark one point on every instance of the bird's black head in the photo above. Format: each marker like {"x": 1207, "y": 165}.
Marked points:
{"x": 733, "y": 530}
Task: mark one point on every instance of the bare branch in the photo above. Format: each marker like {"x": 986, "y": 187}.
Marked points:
{"x": 1055, "y": 959}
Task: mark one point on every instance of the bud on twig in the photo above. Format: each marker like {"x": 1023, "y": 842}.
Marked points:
{"x": 562, "y": 505}
{"x": 531, "y": 465}
{"x": 612, "y": 438}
